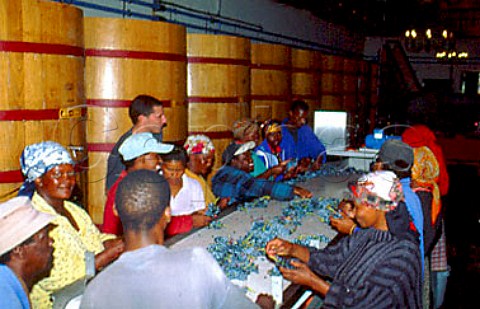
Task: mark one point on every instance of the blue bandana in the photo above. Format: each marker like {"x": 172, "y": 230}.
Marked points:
{"x": 37, "y": 159}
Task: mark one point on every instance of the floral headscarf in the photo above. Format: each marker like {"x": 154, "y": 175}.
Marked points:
{"x": 380, "y": 190}
{"x": 425, "y": 172}
{"x": 37, "y": 159}
{"x": 420, "y": 135}
{"x": 242, "y": 127}
{"x": 198, "y": 144}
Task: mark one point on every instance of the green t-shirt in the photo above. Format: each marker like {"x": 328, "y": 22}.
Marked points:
{"x": 258, "y": 165}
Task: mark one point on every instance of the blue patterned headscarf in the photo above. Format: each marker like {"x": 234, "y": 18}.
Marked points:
{"x": 37, "y": 159}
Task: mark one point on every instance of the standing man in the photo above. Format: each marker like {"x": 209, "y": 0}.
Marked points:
{"x": 25, "y": 251}
{"x": 149, "y": 275}
{"x": 147, "y": 115}
{"x": 298, "y": 139}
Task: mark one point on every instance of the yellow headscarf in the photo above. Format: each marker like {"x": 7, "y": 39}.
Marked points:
{"x": 274, "y": 127}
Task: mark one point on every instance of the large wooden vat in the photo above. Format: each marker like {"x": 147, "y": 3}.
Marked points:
{"x": 362, "y": 107}
{"x": 218, "y": 86}
{"x": 270, "y": 80}
{"x": 331, "y": 86}
{"x": 306, "y": 77}
{"x": 41, "y": 83}
{"x": 374, "y": 88}
{"x": 126, "y": 58}
{"x": 351, "y": 76}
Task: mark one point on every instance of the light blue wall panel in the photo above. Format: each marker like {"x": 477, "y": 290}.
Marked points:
{"x": 262, "y": 20}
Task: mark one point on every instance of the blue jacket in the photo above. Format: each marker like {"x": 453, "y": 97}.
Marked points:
{"x": 264, "y": 152}
{"x": 307, "y": 146}
{"x": 240, "y": 186}
{"x": 12, "y": 294}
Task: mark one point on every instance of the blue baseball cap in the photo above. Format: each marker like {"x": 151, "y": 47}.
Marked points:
{"x": 139, "y": 144}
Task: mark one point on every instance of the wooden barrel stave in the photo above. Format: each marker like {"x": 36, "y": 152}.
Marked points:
{"x": 218, "y": 87}
{"x": 41, "y": 58}
{"x": 126, "y": 58}
{"x": 350, "y": 85}
{"x": 331, "y": 86}
{"x": 306, "y": 78}
{"x": 271, "y": 82}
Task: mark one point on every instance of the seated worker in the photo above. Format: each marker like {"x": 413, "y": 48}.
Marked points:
{"x": 233, "y": 179}
{"x": 372, "y": 268}
{"x": 431, "y": 173}
{"x": 425, "y": 171}
{"x": 398, "y": 157}
{"x": 50, "y": 167}
{"x": 138, "y": 151}
{"x": 187, "y": 202}
{"x": 299, "y": 141}
{"x": 201, "y": 155}
{"x": 148, "y": 274}
{"x": 270, "y": 151}
{"x": 25, "y": 251}
{"x": 247, "y": 130}
{"x": 398, "y": 220}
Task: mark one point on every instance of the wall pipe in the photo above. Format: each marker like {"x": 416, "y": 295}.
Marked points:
{"x": 211, "y": 18}
{"x": 155, "y": 5}
{"x": 295, "y": 42}
{"x": 234, "y": 20}
{"x": 109, "y": 9}
{"x": 317, "y": 46}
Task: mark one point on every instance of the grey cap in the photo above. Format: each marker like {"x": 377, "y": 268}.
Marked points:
{"x": 397, "y": 154}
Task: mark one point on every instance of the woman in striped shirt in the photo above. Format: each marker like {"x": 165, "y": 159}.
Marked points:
{"x": 372, "y": 268}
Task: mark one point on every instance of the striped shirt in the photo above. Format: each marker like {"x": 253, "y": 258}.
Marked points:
{"x": 371, "y": 269}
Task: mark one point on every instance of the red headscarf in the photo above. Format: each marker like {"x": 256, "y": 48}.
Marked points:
{"x": 421, "y": 135}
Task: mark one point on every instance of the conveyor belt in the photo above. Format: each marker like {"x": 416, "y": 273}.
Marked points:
{"x": 237, "y": 224}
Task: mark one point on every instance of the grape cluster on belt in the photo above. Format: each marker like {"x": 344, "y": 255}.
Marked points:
{"x": 326, "y": 170}
{"x": 213, "y": 210}
{"x": 237, "y": 256}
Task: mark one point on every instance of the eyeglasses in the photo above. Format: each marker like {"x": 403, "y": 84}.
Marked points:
{"x": 58, "y": 174}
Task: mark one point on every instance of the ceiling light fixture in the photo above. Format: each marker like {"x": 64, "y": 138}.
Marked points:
{"x": 441, "y": 41}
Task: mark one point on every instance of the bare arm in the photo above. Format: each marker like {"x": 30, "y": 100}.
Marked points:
{"x": 303, "y": 193}
{"x": 302, "y": 275}
{"x": 113, "y": 249}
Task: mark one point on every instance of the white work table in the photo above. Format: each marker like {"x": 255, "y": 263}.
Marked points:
{"x": 238, "y": 223}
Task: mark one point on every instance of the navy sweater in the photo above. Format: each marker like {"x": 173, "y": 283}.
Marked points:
{"x": 371, "y": 269}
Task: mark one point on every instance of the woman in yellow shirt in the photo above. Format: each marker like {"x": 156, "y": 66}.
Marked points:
{"x": 49, "y": 167}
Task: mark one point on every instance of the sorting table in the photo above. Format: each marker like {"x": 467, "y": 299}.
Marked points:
{"x": 238, "y": 223}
